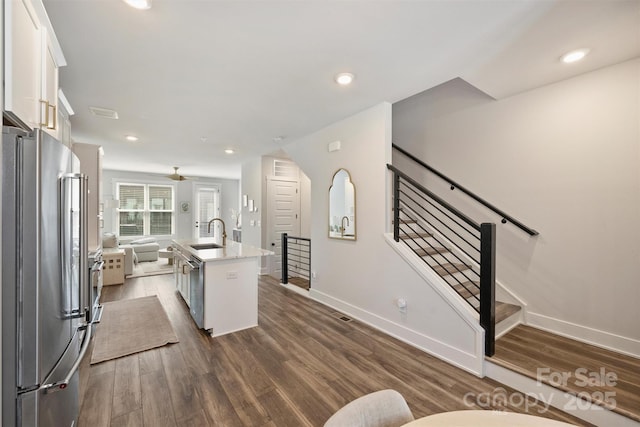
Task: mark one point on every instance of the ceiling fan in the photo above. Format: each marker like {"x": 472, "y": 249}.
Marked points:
{"x": 176, "y": 176}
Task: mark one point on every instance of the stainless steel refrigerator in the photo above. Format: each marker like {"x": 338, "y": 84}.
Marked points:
{"x": 45, "y": 291}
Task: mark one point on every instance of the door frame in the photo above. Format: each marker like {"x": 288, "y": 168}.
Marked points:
{"x": 195, "y": 226}
{"x": 271, "y": 261}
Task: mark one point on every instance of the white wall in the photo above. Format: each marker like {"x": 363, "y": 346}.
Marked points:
{"x": 251, "y": 186}
{"x": 254, "y": 175}
{"x": 565, "y": 160}
{"x": 365, "y": 277}
{"x": 229, "y": 199}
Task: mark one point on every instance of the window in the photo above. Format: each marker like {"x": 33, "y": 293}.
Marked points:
{"x": 145, "y": 209}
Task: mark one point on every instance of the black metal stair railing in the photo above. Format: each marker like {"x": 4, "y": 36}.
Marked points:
{"x": 505, "y": 218}
{"x": 457, "y": 248}
{"x": 296, "y": 261}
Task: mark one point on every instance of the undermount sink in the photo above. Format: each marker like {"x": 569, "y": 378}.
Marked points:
{"x": 206, "y": 246}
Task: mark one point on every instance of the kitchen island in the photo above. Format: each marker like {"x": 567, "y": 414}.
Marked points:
{"x": 218, "y": 283}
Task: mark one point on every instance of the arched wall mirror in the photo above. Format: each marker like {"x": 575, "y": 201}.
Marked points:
{"x": 342, "y": 207}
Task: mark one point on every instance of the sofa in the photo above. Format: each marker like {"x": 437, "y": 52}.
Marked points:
{"x": 140, "y": 250}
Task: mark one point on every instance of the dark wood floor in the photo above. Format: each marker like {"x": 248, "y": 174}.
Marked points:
{"x": 296, "y": 369}
{"x": 575, "y": 367}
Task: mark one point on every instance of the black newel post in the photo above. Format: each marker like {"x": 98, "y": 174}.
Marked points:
{"x": 285, "y": 260}
{"x": 488, "y": 286}
{"x": 396, "y": 207}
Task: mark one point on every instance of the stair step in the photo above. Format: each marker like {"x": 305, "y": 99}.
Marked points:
{"x": 406, "y": 221}
{"x": 505, "y": 310}
{"x": 525, "y": 350}
{"x": 422, "y": 252}
{"x": 449, "y": 268}
{"x": 469, "y": 289}
{"x": 409, "y": 236}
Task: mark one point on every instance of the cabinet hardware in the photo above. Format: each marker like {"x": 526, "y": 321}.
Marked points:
{"x": 47, "y": 108}
{"x": 55, "y": 116}
{"x": 46, "y": 113}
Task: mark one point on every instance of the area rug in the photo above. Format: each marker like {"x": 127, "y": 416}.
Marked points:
{"x": 151, "y": 268}
{"x": 130, "y": 326}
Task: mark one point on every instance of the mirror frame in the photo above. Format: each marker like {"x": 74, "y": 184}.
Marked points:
{"x": 355, "y": 234}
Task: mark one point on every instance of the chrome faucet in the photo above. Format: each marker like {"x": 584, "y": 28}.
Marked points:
{"x": 342, "y": 228}
{"x": 224, "y": 232}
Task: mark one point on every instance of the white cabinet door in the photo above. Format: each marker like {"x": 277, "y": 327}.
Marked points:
{"x": 22, "y": 59}
{"x": 49, "y": 88}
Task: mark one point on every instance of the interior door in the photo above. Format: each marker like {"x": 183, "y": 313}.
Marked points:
{"x": 207, "y": 207}
{"x": 283, "y": 217}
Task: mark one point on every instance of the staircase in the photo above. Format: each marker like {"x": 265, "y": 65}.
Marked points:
{"x": 462, "y": 253}
{"x": 448, "y": 266}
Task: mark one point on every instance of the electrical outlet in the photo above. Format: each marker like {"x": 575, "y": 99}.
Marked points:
{"x": 402, "y": 305}
{"x": 314, "y": 275}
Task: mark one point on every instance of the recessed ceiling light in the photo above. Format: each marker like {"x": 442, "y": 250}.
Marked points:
{"x": 131, "y": 138}
{"x": 139, "y": 4}
{"x": 574, "y": 55}
{"x": 229, "y": 151}
{"x": 344, "y": 79}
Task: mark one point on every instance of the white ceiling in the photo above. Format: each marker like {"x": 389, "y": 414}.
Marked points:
{"x": 191, "y": 78}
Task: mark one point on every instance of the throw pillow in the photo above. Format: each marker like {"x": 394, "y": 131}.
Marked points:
{"x": 109, "y": 240}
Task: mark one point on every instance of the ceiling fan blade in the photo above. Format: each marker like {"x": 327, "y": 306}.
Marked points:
{"x": 175, "y": 176}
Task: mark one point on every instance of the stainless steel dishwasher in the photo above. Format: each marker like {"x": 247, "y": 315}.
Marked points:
{"x": 196, "y": 295}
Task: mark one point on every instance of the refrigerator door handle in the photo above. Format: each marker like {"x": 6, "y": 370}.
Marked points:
{"x": 62, "y": 384}
{"x": 83, "y": 291}
{"x": 97, "y": 267}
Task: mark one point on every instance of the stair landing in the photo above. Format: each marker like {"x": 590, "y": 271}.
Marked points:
{"x": 604, "y": 377}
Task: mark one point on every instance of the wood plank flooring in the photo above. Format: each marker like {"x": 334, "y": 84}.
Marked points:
{"x": 296, "y": 368}
{"x": 575, "y": 367}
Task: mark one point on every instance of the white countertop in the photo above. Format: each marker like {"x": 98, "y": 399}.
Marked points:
{"x": 230, "y": 251}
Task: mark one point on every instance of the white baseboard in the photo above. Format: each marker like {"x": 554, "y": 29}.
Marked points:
{"x": 296, "y": 289}
{"x": 546, "y": 394}
{"x": 585, "y": 334}
{"x": 463, "y": 360}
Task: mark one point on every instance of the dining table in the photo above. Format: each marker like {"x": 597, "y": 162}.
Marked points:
{"x": 486, "y": 418}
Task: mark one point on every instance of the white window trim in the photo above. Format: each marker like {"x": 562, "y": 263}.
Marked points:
{"x": 116, "y": 216}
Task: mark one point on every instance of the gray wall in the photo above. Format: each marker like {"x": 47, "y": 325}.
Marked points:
{"x": 565, "y": 160}
{"x": 229, "y": 199}
{"x": 364, "y": 278}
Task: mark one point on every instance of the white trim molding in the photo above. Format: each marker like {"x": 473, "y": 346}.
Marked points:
{"x": 603, "y": 339}
{"x": 472, "y": 363}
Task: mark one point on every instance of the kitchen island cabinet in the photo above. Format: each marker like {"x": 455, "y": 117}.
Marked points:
{"x": 223, "y": 284}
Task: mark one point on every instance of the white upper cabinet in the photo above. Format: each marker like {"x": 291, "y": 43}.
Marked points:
{"x": 49, "y": 88}
{"x": 22, "y": 63}
{"x": 32, "y": 57}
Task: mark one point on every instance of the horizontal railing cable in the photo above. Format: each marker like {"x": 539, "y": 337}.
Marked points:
{"x": 296, "y": 260}
{"x": 452, "y": 276}
{"x": 453, "y": 231}
{"x": 445, "y": 239}
{"x": 454, "y": 185}
{"x": 443, "y": 223}
{"x": 435, "y": 197}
